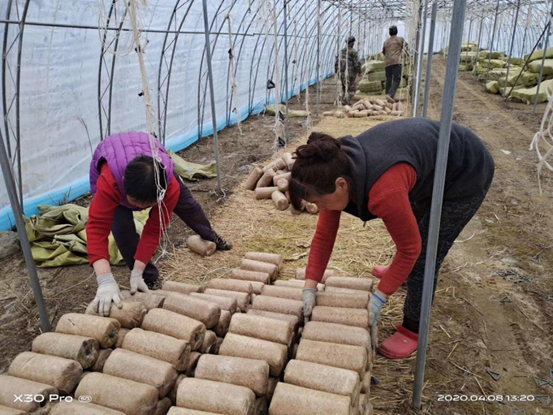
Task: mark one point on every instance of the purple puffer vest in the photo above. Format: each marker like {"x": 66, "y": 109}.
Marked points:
{"x": 118, "y": 151}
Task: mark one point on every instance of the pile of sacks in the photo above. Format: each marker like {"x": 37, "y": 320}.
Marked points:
{"x": 522, "y": 85}
{"x": 374, "y": 79}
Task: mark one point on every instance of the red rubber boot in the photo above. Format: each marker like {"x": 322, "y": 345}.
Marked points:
{"x": 402, "y": 344}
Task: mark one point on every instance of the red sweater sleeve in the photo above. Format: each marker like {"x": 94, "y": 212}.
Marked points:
{"x": 322, "y": 244}
{"x": 389, "y": 200}
{"x": 152, "y": 232}
{"x": 100, "y": 216}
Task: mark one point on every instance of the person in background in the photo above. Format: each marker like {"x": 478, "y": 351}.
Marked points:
{"x": 348, "y": 60}
{"x": 387, "y": 172}
{"x": 124, "y": 177}
{"x": 393, "y": 50}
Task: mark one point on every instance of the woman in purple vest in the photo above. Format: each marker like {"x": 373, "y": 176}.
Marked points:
{"x": 129, "y": 172}
{"x": 387, "y": 172}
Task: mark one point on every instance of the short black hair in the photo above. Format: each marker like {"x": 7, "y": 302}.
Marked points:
{"x": 393, "y": 30}
{"x": 140, "y": 179}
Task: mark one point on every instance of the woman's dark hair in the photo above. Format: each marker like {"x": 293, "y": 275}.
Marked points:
{"x": 140, "y": 179}
{"x": 393, "y": 30}
{"x": 318, "y": 164}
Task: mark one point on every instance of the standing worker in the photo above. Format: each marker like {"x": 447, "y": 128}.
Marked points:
{"x": 387, "y": 172}
{"x": 393, "y": 50}
{"x": 348, "y": 60}
{"x": 130, "y": 172}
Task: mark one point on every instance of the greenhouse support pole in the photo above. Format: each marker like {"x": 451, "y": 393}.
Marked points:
{"x": 480, "y": 31}
{"x": 528, "y": 20}
{"x": 287, "y": 114}
{"x": 546, "y": 42}
{"x": 511, "y": 49}
{"x": 450, "y": 83}
{"x": 318, "y": 57}
{"x": 420, "y": 61}
{"x": 212, "y": 95}
{"x": 23, "y": 239}
{"x": 468, "y": 41}
{"x": 429, "y": 63}
{"x": 491, "y": 44}
{"x": 417, "y": 49}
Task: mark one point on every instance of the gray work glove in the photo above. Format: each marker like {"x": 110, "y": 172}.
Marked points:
{"x": 108, "y": 291}
{"x": 309, "y": 301}
{"x": 375, "y": 307}
{"x": 137, "y": 282}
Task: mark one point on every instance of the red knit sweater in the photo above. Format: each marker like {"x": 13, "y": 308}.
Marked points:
{"x": 102, "y": 210}
{"x": 388, "y": 200}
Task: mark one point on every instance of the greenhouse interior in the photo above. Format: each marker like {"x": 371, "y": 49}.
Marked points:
{"x": 276, "y": 207}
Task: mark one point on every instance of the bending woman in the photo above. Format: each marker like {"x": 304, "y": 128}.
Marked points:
{"x": 124, "y": 177}
{"x": 387, "y": 172}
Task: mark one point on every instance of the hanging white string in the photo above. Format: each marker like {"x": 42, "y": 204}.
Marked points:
{"x": 542, "y": 142}
{"x": 133, "y": 9}
{"x": 234, "y": 103}
{"x": 296, "y": 74}
{"x": 308, "y": 120}
{"x": 279, "y": 126}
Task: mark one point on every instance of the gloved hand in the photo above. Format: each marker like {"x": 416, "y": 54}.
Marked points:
{"x": 309, "y": 301}
{"x": 137, "y": 282}
{"x": 375, "y": 307}
{"x": 108, "y": 291}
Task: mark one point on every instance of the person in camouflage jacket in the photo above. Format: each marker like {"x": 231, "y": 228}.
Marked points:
{"x": 348, "y": 59}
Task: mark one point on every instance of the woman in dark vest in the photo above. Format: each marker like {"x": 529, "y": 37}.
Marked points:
{"x": 129, "y": 172}
{"x": 387, "y": 172}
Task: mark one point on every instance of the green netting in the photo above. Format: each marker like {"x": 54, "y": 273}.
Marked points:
{"x": 539, "y": 54}
{"x": 492, "y": 87}
{"x": 376, "y": 76}
{"x": 370, "y": 86}
{"x": 536, "y": 66}
{"x": 528, "y": 95}
{"x": 486, "y": 54}
{"x": 373, "y": 66}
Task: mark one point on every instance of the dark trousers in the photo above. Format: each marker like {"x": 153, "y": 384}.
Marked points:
{"x": 393, "y": 79}
{"x": 455, "y": 215}
{"x": 126, "y": 237}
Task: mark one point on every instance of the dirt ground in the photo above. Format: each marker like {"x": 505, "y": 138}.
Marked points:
{"x": 504, "y": 252}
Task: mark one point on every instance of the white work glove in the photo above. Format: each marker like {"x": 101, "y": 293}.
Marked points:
{"x": 137, "y": 282}
{"x": 309, "y": 301}
{"x": 108, "y": 291}
{"x": 375, "y": 307}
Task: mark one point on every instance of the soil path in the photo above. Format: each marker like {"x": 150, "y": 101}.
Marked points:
{"x": 504, "y": 253}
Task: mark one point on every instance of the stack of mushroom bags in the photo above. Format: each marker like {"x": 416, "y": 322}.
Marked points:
{"x": 331, "y": 369}
{"x": 223, "y": 348}
{"x": 272, "y": 182}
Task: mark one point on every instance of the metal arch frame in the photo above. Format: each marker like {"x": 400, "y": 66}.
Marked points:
{"x": 230, "y": 91}
{"x": 15, "y": 102}
{"x": 162, "y": 114}
{"x": 110, "y": 71}
{"x": 201, "y": 102}
{"x": 4, "y": 66}
{"x": 302, "y": 53}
